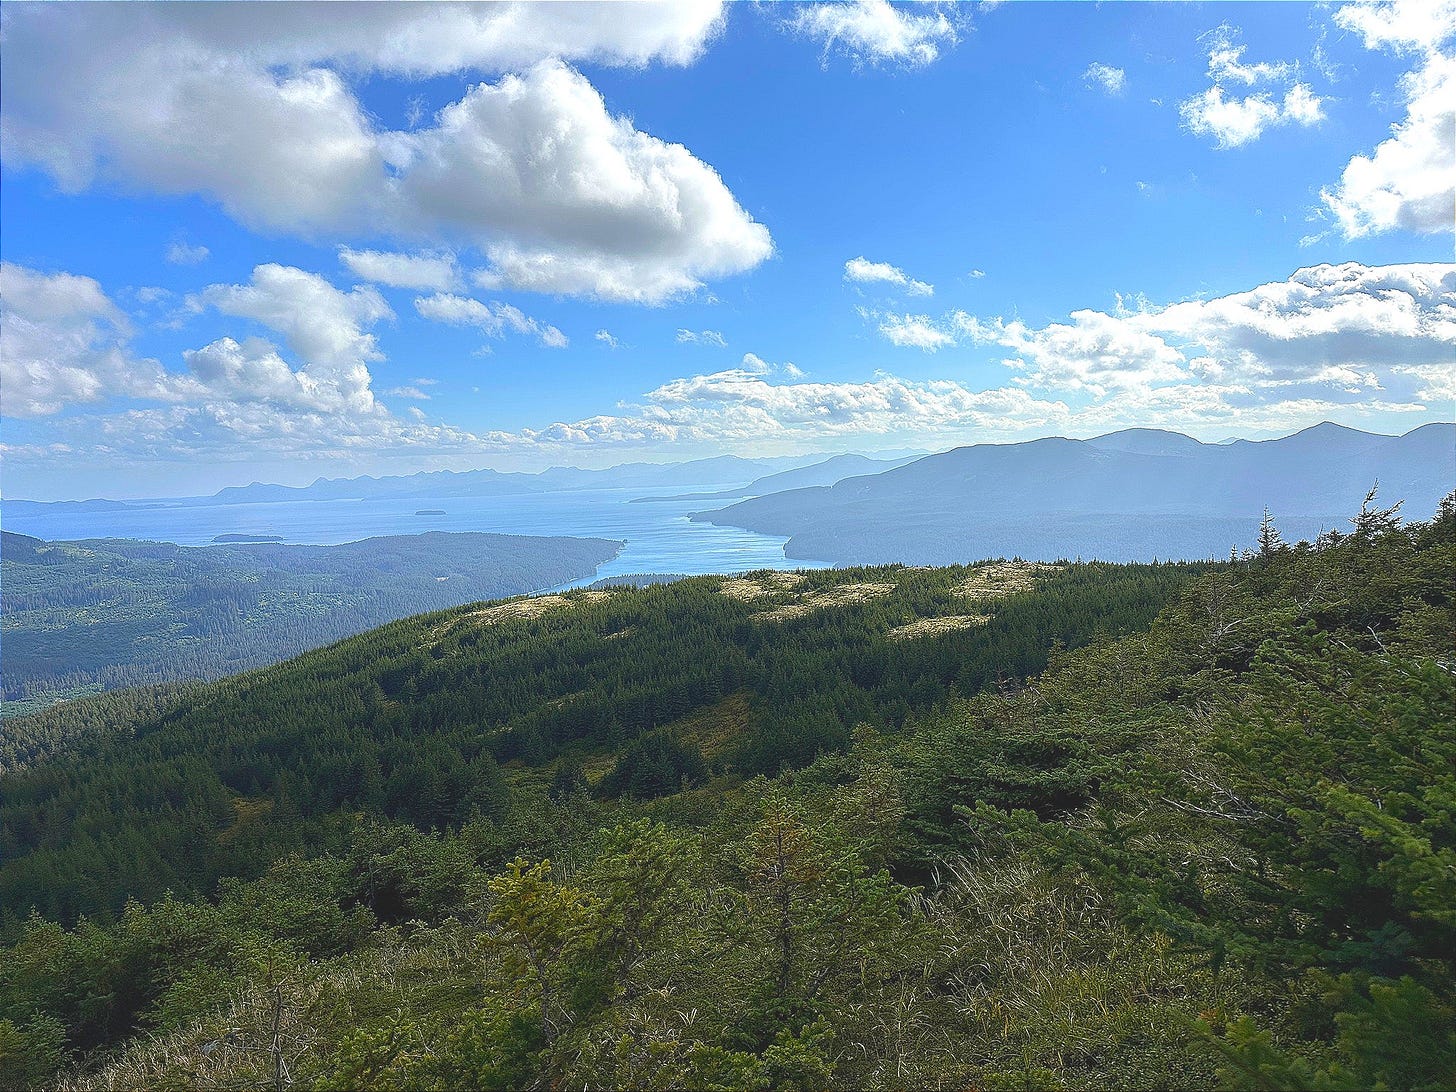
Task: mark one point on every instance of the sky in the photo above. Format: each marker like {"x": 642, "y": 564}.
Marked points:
{"x": 281, "y": 242}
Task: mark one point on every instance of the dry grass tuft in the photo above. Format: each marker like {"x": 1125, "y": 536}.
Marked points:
{"x": 526, "y": 607}
{"x": 841, "y": 595}
{"x": 747, "y": 590}
{"x": 1001, "y": 578}
{"x": 934, "y": 627}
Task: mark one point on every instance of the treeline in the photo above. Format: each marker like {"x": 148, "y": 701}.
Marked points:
{"x": 113, "y": 613}
{"x": 1216, "y": 848}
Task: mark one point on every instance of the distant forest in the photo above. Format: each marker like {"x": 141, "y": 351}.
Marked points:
{"x": 107, "y": 613}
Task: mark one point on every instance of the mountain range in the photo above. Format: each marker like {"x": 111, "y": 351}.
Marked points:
{"x": 1132, "y": 495}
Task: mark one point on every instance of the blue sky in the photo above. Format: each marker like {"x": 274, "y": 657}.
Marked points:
{"x": 334, "y": 241}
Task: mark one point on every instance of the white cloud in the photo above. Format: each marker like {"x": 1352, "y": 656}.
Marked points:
{"x": 874, "y": 31}
{"x": 494, "y": 319}
{"x": 1111, "y": 80}
{"x": 253, "y": 371}
{"x": 1226, "y": 64}
{"x": 1409, "y": 181}
{"x": 426, "y": 272}
{"x": 608, "y": 339}
{"x": 864, "y": 271}
{"x": 408, "y": 392}
{"x": 757, "y": 365}
{"x": 1438, "y": 382}
{"x": 743, "y": 404}
{"x": 1327, "y": 331}
{"x": 1402, "y": 25}
{"x": 559, "y": 195}
{"x": 977, "y": 273}
{"x": 915, "y": 331}
{"x": 325, "y": 327}
{"x": 701, "y": 337}
{"x": 63, "y": 342}
{"x": 182, "y": 254}
{"x": 593, "y": 206}
{"x": 1233, "y": 119}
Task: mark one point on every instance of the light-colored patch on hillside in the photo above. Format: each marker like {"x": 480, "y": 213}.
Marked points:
{"x": 526, "y": 607}
{"x": 996, "y": 579}
{"x": 841, "y": 595}
{"x": 934, "y": 627}
{"x": 749, "y": 589}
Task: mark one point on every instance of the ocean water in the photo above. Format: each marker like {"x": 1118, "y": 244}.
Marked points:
{"x": 659, "y": 536}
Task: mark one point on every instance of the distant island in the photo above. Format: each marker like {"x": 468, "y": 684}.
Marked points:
{"x": 247, "y": 538}
{"x": 430, "y": 512}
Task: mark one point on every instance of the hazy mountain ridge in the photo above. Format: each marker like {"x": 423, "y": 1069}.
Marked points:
{"x": 1128, "y": 495}
{"x": 829, "y": 471}
{"x": 720, "y": 470}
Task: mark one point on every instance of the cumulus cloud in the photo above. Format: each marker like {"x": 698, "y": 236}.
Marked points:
{"x": 1328, "y": 331}
{"x": 594, "y": 206}
{"x": 874, "y": 31}
{"x": 180, "y": 253}
{"x": 608, "y": 339}
{"x": 1409, "y": 181}
{"x": 63, "y": 342}
{"x": 253, "y": 371}
{"x": 494, "y": 319}
{"x": 65, "y": 345}
{"x": 1234, "y": 118}
{"x": 1111, "y": 80}
{"x": 327, "y": 328}
{"x": 426, "y": 272}
{"x": 1406, "y": 26}
{"x": 701, "y": 337}
{"x": 533, "y": 170}
{"x": 864, "y": 271}
{"x": 408, "y": 392}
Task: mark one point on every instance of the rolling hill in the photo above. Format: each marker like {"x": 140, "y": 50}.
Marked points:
{"x": 110, "y": 612}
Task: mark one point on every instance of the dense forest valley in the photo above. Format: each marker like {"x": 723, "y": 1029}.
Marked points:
{"x": 105, "y": 613}
{"x": 1002, "y": 826}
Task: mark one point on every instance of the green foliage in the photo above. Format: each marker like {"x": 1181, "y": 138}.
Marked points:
{"x": 30, "y": 1053}
{"x": 657, "y": 764}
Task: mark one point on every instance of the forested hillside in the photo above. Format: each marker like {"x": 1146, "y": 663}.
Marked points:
{"x": 414, "y": 721}
{"x": 839, "y": 829}
{"x": 105, "y": 613}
